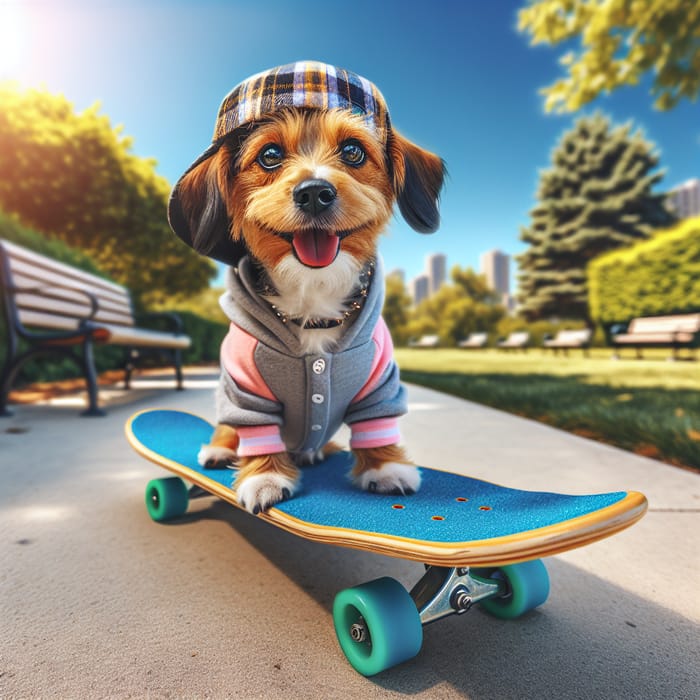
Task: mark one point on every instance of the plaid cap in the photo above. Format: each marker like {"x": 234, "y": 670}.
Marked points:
{"x": 307, "y": 84}
{"x": 304, "y": 84}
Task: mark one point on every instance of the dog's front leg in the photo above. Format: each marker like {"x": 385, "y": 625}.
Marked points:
{"x": 385, "y": 470}
{"x": 264, "y": 480}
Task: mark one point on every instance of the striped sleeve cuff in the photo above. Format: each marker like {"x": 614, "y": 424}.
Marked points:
{"x": 375, "y": 433}
{"x": 259, "y": 440}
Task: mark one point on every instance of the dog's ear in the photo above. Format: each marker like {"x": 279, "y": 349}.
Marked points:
{"x": 418, "y": 178}
{"x": 197, "y": 213}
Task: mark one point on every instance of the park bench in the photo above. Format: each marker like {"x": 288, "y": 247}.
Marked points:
{"x": 519, "y": 340}
{"x": 474, "y": 340}
{"x": 675, "y": 332}
{"x": 55, "y": 308}
{"x": 566, "y": 340}
{"x": 425, "y": 341}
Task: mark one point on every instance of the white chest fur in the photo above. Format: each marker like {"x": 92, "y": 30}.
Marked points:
{"x": 305, "y": 293}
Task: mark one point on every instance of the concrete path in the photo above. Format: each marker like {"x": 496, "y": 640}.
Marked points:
{"x": 98, "y": 601}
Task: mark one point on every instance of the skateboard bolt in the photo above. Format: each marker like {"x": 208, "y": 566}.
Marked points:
{"x": 358, "y": 631}
{"x": 460, "y": 600}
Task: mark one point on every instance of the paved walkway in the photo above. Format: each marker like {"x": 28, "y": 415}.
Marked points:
{"x": 98, "y": 601}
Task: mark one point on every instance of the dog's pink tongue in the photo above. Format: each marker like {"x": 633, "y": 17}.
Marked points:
{"x": 315, "y": 247}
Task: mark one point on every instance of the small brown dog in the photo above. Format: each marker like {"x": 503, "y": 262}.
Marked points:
{"x": 293, "y": 193}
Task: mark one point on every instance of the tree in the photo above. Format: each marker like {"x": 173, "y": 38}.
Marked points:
{"x": 621, "y": 41}
{"x": 74, "y": 177}
{"x": 596, "y": 197}
{"x": 465, "y": 306}
{"x": 397, "y": 304}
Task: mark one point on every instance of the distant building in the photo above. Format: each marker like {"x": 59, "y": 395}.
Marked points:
{"x": 419, "y": 288}
{"x": 685, "y": 199}
{"x": 436, "y": 271}
{"x": 495, "y": 266}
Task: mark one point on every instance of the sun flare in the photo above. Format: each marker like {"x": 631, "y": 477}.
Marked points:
{"x": 12, "y": 37}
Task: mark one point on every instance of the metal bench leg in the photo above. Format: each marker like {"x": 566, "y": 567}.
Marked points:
{"x": 178, "y": 369}
{"x": 9, "y": 369}
{"x": 129, "y": 366}
{"x": 5, "y": 385}
{"x": 93, "y": 408}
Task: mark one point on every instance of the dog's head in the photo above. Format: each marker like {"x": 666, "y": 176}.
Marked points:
{"x": 304, "y": 162}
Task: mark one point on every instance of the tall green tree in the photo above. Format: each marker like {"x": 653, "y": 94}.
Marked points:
{"x": 397, "y": 305}
{"x": 621, "y": 41}
{"x": 596, "y": 196}
{"x": 74, "y": 177}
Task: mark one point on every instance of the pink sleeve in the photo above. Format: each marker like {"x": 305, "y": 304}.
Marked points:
{"x": 259, "y": 440}
{"x": 238, "y": 359}
{"x": 376, "y": 432}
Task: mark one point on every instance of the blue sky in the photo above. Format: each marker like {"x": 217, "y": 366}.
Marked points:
{"x": 457, "y": 76}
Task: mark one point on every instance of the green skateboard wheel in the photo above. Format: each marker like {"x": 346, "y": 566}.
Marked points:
{"x": 528, "y": 587}
{"x": 377, "y": 625}
{"x": 166, "y": 498}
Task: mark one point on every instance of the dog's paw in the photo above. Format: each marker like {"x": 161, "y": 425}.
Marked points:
{"x": 259, "y": 492}
{"x": 216, "y": 457}
{"x": 392, "y": 477}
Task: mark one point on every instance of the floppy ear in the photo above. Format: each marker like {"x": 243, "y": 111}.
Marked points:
{"x": 418, "y": 179}
{"x": 197, "y": 213}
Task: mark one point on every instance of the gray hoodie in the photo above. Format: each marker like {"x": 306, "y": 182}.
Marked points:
{"x": 282, "y": 399}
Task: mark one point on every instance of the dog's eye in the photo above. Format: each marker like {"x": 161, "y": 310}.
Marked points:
{"x": 352, "y": 153}
{"x": 270, "y": 156}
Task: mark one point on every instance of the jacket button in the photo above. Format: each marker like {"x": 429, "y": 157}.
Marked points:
{"x": 319, "y": 366}
{"x": 316, "y": 427}
{"x": 317, "y": 398}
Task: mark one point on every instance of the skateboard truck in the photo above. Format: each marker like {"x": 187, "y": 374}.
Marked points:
{"x": 444, "y": 591}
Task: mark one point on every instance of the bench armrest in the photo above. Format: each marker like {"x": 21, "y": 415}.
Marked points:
{"x": 170, "y": 319}
{"x": 618, "y": 329}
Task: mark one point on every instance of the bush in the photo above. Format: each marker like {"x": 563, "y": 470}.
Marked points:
{"x": 206, "y": 337}
{"x": 656, "y": 277}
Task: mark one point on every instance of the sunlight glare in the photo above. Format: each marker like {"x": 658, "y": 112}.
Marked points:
{"x": 12, "y": 37}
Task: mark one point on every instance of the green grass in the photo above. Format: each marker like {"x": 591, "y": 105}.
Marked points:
{"x": 649, "y": 406}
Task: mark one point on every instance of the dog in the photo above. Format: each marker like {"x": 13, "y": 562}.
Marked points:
{"x": 293, "y": 193}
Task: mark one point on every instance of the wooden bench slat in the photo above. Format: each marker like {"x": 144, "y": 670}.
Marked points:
{"x": 55, "y": 307}
{"x": 655, "y": 338}
{"x": 35, "y": 261}
{"x": 76, "y": 294}
{"x": 24, "y": 274}
{"x": 669, "y": 324}
{"x": 570, "y": 339}
{"x": 141, "y": 337}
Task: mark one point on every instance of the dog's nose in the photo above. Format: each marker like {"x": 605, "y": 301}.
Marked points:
{"x": 314, "y": 196}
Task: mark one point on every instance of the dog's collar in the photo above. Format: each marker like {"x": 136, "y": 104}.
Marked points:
{"x": 354, "y": 303}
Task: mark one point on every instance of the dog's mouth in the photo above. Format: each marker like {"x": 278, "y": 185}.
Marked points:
{"x": 315, "y": 247}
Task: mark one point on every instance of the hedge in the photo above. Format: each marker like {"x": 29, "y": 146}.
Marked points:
{"x": 655, "y": 277}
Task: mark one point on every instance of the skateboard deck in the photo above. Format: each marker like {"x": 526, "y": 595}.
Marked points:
{"x": 452, "y": 521}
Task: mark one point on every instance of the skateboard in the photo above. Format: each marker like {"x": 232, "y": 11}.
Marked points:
{"x": 479, "y": 542}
